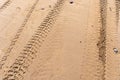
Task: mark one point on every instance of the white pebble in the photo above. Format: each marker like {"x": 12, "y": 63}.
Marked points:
{"x": 115, "y": 50}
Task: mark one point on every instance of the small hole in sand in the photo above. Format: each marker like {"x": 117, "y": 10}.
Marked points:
{"x": 110, "y": 9}
{"x": 42, "y": 8}
{"x": 18, "y": 9}
{"x": 71, "y": 2}
{"x": 50, "y": 6}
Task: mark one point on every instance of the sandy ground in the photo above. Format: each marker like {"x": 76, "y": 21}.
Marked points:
{"x": 57, "y": 40}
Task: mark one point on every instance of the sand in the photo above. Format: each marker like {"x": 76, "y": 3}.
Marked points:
{"x": 59, "y": 40}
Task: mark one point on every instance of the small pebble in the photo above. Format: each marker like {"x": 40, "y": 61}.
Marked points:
{"x": 115, "y": 50}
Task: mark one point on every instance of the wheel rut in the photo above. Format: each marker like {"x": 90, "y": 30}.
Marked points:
{"x": 102, "y": 39}
{"x": 17, "y": 35}
{"x": 24, "y": 60}
{"x": 5, "y": 5}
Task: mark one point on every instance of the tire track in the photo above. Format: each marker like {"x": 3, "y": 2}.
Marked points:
{"x": 117, "y": 11}
{"x": 23, "y": 61}
{"x": 14, "y": 40}
{"x": 43, "y": 66}
{"x": 5, "y": 5}
{"x": 102, "y": 42}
